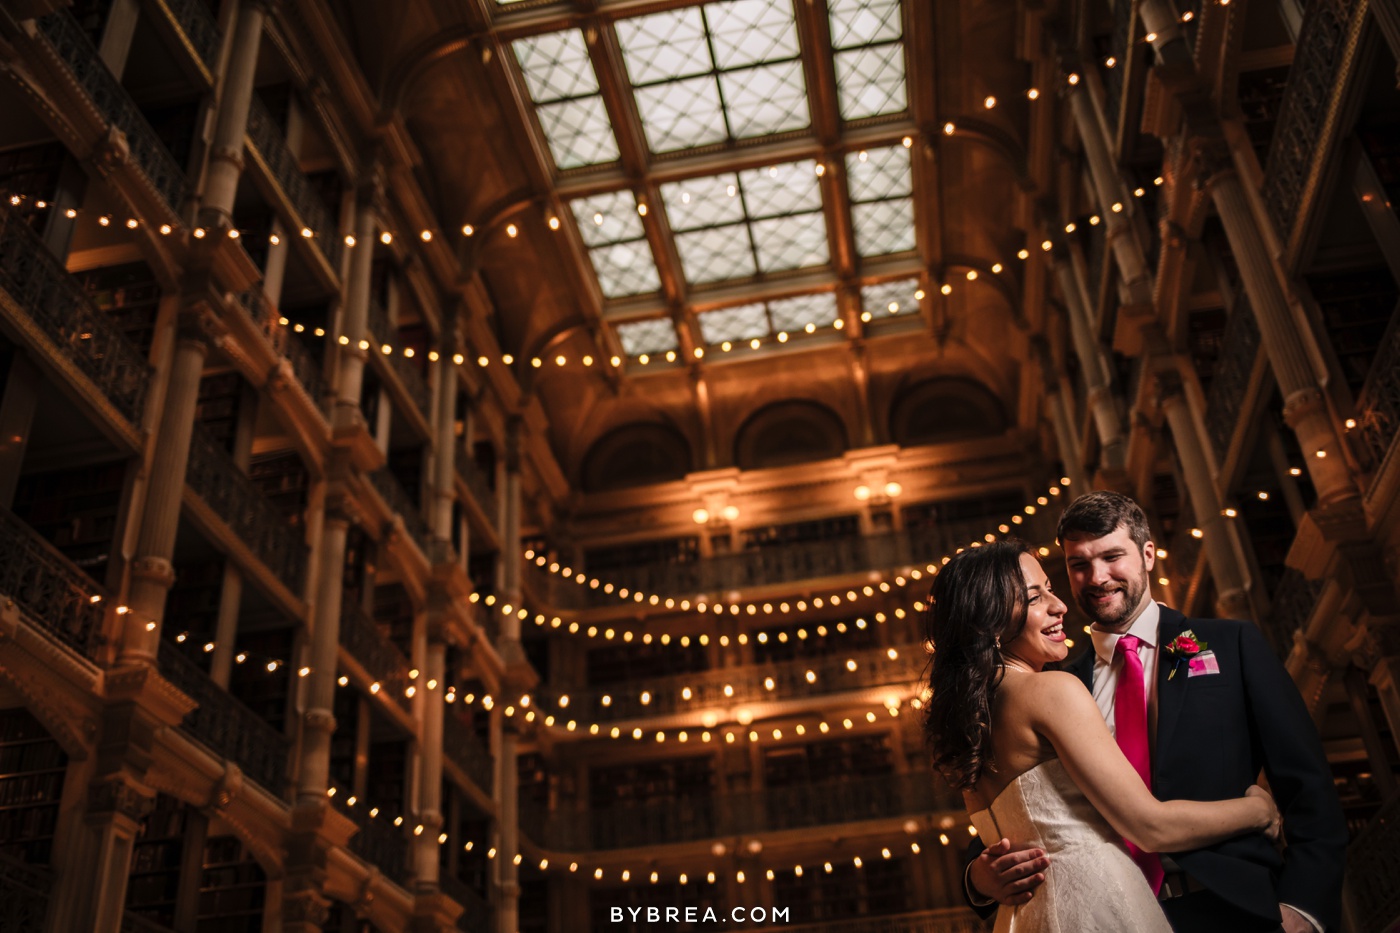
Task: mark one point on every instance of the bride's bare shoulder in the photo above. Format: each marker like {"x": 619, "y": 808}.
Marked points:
{"x": 1045, "y": 687}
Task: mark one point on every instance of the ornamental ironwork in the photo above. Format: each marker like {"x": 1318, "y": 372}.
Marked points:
{"x": 461, "y": 745}
{"x": 48, "y": 587}
{"x": 375, "y": 652}
{"x": 57, "y": 304}
{"x": 311, "y": 214}
{"x": 1378, "y": 406}
{"x": 200, "y": 29}
{"x": 1238, "y": 352}
{"x": 235, "y": 498}
{"x": 229, "y": 728}
{"x": 379, "y": 841}
{"x": 385, "y": 335}
{"x": 392, "y": 492}
{"x": 1292, "y": 606}
{"x": 304, "y": 365}
{"x": 147, "y": 152}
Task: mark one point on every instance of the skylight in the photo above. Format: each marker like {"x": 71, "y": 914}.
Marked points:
{"x": 785, "y": 318}
{"x": 889, "y": 299}
{"x": 758, "y": 220}
{"x": 722, "y": 71}
{"x": 645, "y": 337}
{"x": 882, "y": 209}
{"x": 869, "y": 57}
{"x": 617, "y": 246}
{"x": 565, "y": 91}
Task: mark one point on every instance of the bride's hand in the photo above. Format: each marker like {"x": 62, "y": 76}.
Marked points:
{"x": 1275, "y": 824}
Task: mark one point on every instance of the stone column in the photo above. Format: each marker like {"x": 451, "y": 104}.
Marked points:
{"x": 226, "y": 154}
{"x": 1057, "y": 407}
{"x": 445, "y": 442}
{"x": 1105, "y": 413}
{"x": 1304, "y": 406}
{"x": 351, "y": 371}
{"x": 319, "y": 718}
{"x": 151, "y": 572}
{"x": 1231, "y": 600}
{"x": 517, "y": 680}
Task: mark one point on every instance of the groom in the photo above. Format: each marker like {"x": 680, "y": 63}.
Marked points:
{"x": 1219, "y": 708}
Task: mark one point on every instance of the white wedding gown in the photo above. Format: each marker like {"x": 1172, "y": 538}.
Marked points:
{"x": 1092, "y": 885}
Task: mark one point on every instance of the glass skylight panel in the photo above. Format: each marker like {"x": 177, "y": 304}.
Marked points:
{"x": 655, "y": 336}
{"x": 734, "y": 324}
{"x": 792, "y": 315}
{"x": 888, "y": 299}
{"x": 715, "y": 254}
{"x": 866, "y": 39}
{"x": 609, "y": 226}
{"x": 703, "y": 202}
{"x": 882, "y": 212}
{"x": 790, "y": 242}
{"x": 786, "y": 317}
{"x": 725, "y": 70}
{"x": 564, "y": 88}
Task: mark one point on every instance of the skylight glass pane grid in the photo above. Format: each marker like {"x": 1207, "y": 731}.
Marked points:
{"x": 765, "y": 99}
{"x": 715, "y": 254}
{"x": 703, "y": 202}
{"x": 890, "y": 298}
{"x": 556, "y": 66}
{"x": 578, "y": 132}
{"x": 734, "y": 324}
{"x": 877, "y": 174}
{"x": 792, "y": 315}
{"x": 870, "y": 81}
{"x": 681, "y": 114}
{"x": 640, "y": 337}
{"x": 883, "y": 227}
{"x": 625, "y": 269}
{"x": 793, "y": 242}
{"x": 607, "y": 218}
{"x": 745, "y": 32}
{"x": 781, "y": 189}
{"x": 863, "y": 22}
{"x": 664, "y": 46}
{"x": 564, "y": 88}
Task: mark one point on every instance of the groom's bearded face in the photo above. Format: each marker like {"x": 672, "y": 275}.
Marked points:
{"x": 1108, "y": 576}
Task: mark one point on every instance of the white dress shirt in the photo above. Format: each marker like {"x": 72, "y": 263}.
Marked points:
{"x": 1107, "y": 667}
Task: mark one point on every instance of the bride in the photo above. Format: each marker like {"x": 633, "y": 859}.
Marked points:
{"x": 1036, "y": 763}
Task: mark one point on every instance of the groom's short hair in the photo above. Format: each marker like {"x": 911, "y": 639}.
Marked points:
{"x": 1099, "y": 513}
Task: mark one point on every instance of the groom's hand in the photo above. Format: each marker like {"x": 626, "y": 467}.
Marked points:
{"x": 1008, "y": 874}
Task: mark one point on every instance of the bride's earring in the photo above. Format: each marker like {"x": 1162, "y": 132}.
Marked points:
{"x": 997, "y": 642}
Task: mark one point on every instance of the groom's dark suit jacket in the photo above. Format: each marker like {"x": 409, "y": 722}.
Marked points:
{"x": 1215, "y": 733}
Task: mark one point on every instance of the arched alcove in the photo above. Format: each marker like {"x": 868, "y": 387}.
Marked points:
{"x": 936, "y": 411}
{"x": 789, "y": 432}
{"x": 636, "y": 455}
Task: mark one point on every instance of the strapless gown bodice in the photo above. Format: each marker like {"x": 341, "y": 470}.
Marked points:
{"x": 1092, "y": 885}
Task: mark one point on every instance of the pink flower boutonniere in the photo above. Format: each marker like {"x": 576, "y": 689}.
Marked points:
{"x": 1182, "y": 649}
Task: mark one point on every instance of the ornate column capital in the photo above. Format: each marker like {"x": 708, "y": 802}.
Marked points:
{"x": 1208, "y": 158}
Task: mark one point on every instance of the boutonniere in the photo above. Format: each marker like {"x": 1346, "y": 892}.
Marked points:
{"x": 1182, "y": 649}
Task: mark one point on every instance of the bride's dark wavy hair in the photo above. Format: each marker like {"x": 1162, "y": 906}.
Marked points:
{"x": 978, "y": 597}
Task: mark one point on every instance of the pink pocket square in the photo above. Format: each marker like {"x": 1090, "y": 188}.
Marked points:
{"x": 1203, "y": 664}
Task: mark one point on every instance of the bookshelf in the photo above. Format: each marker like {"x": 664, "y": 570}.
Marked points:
{"x": 130, "y": 296}
{"x": 32, "y": 768}
{"x": 233, "y": 888}
{"x": 156, "y": 859}
{"x": 75, "y": 510}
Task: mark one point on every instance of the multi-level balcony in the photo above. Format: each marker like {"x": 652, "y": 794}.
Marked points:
{"x": 48, "y": 588}
{"x": 402, "y": 374}
{"x": 382, "y": 663}
{"x": 465, "y": 750}
{"x": 399, "y": 501}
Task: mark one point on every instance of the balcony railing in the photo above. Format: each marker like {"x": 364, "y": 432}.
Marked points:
{"x": 1371, "y": 859}
{"x": 1238, "y": 351}
{"x": 467, "y": 752}
{"x": 392, "y": 492}
{"x": 380, "y": 657}
{"x": 24, "y": 895}
{"x": 686, "y": 819}
{"x": 1318, "y": 59}
{"x": 50, "y": 589}
{"x": 147, "y": 152}
{"x": 480, "y": 488}
{"x": 59, "y": 307}
{"x": 225, "y": 725}
{"x": 268, "y": 140}
{"x": 236, "y": 499}
{"x": 1292, "y": 604}
{"x": 924, "y": 921}
{"x": 786, "y": 563}
{"x": 1379, "y": 402}
{"x": 383, "y": 334}
{"x": 304, "y": 365}
{"x": 379, "y": 842}
{"x": 200, "y": 29}
{"x": 476, "y": 910}
{"x": 749, "y": 683}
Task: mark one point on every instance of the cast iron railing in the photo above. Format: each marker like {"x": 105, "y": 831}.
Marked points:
{"x": 394, "y": 496}
{"x": 685, "y": 819}
{"x": 379, "y": 841}
{"x": 466, "y": 751}
{"x": 1293, "y": 602}
{"x": 1378, "y": 405}
{"x": 229, "y": 728}
{"x": 380, "y": 657}
{"x": 383, "y": 334}
{"x": 1372, "y": 861}
{"x": 236, "y": 499}
{"x": 147, "y": 152}
{"x": 1238, "y": 351}
{"x": 268, "y": 140}
{"x": 57, "y": 304}
{"x": 50, "y": 589}
{"x": 480, "y": 488}
{"x": 200, "y": 29}
{"x": 304, "y": 365}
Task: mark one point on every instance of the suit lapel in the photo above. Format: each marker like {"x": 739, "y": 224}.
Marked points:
{"x": 1171, "y": 691}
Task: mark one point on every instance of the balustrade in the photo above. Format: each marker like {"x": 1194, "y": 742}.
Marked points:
{"x": 924, "y": 921}
{"x": 392, "y": 492}
{"x": 146, "y": 151}
{"x": 304, "y": 365}
{"x": 1378, "y": 405}
{"x": 1373, "y": 864}
{"x": 380, "y": 657}
{"x": 461, "y": 745}
{"x": 385, "y": 335}
{"x": 379, "y": 841}
{"x": 1293, "y": 603}
{"x": 199, "y": 28}
{"x": 48, "y": 587}
{"x": 24, "y": 895}
{"x": 266, "y": 137}
{"x": 476, "y": 910}
{"x": 479, "y": 486}
{"x": 1239, "y": 349}
{"x": 42, "y": 288}
{"x": 685, "y": 819}
{"x": 225, "y": 725}
{"x": 748, "y": 683}
{"x": 236, "y": 499}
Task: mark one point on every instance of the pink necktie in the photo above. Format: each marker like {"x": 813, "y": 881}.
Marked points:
{"x": 1130, "y": 718}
